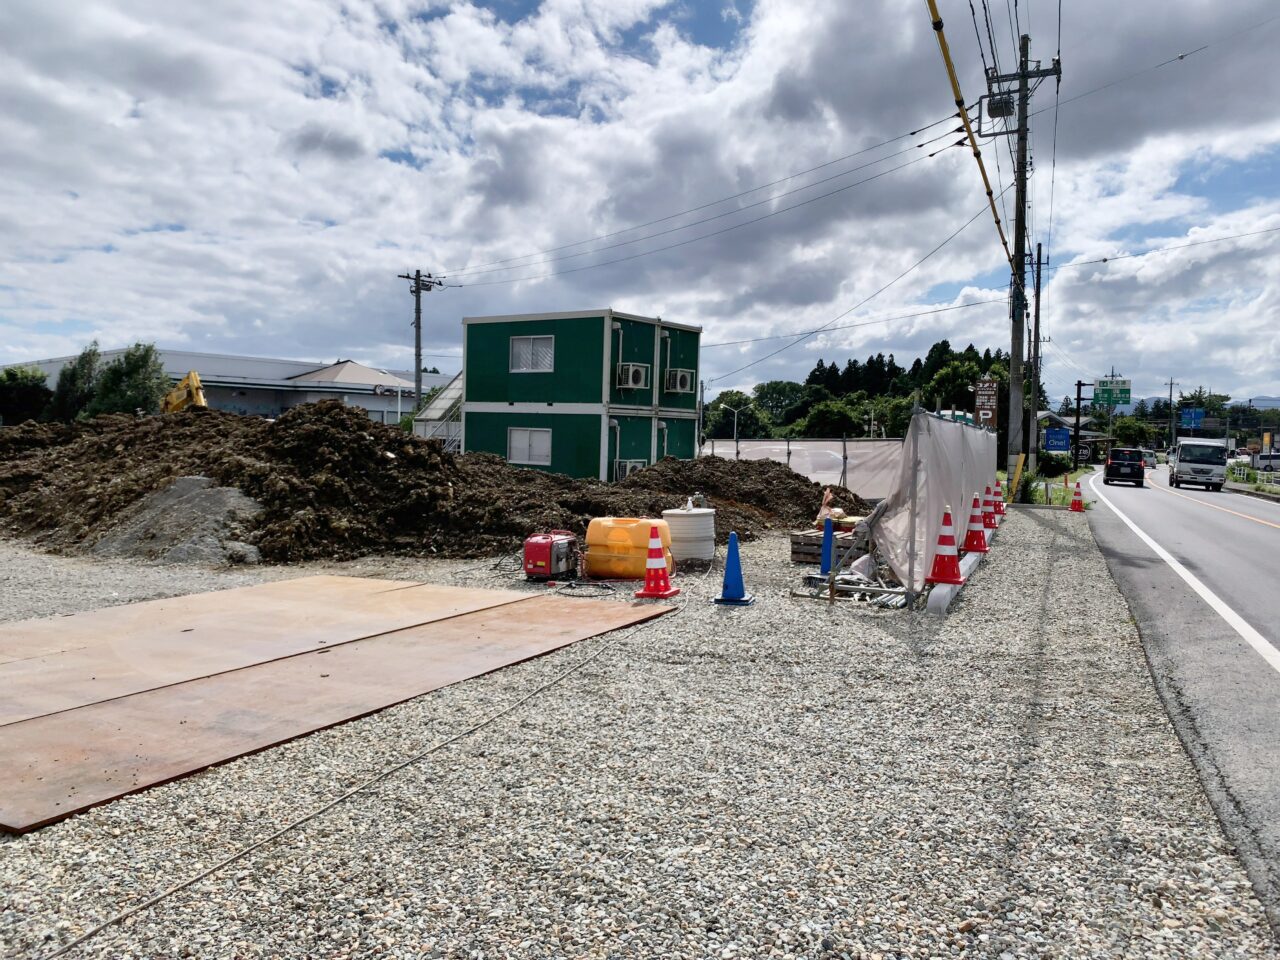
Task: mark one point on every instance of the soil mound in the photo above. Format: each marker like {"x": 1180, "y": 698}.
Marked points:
{"x": 190, "y": 521}
{"x": 333, "y": 484}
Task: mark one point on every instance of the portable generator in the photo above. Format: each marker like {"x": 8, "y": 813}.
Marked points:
{"x": 549, "y": 555}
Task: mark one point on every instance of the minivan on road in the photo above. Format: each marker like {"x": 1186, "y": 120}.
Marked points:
{"x": 1126, "y": 465}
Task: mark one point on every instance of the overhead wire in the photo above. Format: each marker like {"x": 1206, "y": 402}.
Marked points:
{"x": 709, "y": 203}
{"x": 861, "y": 303}
{"x": 712, "y": 233}
{"x": 973, "y": 140}
{"x": 1166, "y": 249}
{"x": 860, "y": 323}
{"x": 718, "y": 216}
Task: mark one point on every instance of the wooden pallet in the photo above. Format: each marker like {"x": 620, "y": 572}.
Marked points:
{"x": 806, "y": 545}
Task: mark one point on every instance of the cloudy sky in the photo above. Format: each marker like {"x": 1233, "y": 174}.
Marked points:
{"x": 245, "y": 177}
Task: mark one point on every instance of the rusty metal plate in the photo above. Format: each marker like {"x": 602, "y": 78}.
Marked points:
{"x": 64, "y": 763}
{"x": 124, "y": 650}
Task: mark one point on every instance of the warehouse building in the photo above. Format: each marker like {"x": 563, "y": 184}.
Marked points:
{"x": 595, "y": 393}
{"x": 265, "y": 387}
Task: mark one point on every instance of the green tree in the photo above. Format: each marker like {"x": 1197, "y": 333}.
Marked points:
{"x": 23, "y": 394}
{"x": 1131, "y": 432}
{"x": 951, "y": 385}
{"x": 1141, "y": 411}
{"x": 134, "y": 381}
{"x": 718, "y": 419}
{"x": 831, "y": 418}
{"x": 1067, "y": 407}
{"x": 76, "y": 384}
{"x": 775, "y": 397}
{"x": 810, "y": 395}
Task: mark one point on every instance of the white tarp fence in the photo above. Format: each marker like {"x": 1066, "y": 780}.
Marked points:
{"x": 870, "y": 468}
{"x": 944, "y": 463}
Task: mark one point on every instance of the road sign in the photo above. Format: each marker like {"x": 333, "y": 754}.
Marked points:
{"x": 1109, "y": 391}
{"x": 1192, "y": 418}
{"x": 1057, "y": 440}
{"x": 986, "y": 401}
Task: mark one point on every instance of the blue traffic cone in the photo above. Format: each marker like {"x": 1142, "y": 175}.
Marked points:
{"x": 733, "y": 593}
{"x": 828, "y": 546}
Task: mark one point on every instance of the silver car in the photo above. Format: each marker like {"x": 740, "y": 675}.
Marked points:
{"x": 1148, "y": 458}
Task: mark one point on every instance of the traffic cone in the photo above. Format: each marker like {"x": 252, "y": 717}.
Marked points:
{"x": 975, "y": 538}
{"x": 989, "y": 519}
{"x": 999, "y": 499}
{"x": 946, "y": 563}
{"x": 1077, "y": 502}
{"x": 657, "y": 582}
{"x": 733, "y": 593}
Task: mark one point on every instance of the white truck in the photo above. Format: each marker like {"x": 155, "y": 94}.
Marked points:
{"x": 1199, "y": 460}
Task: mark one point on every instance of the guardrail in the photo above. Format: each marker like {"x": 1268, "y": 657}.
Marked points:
{"x": 1243, "y": 473}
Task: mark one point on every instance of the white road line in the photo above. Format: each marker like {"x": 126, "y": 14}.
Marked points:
{"x": 1234, "y": 620}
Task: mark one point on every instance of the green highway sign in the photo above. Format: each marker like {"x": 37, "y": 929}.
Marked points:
{"x": 1109, "y": 391}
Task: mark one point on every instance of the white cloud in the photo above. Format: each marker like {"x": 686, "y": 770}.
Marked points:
{"x": 250, "y": 177}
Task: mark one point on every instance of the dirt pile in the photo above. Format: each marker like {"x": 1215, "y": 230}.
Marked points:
{"x": 333, "y": 484}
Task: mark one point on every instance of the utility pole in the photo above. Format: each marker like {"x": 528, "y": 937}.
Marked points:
{"x": 418, "y": 285}
{"x": 1035, "y": 373}
{"x": 999, "y": 90}
{"x": 1173, "y": 436}
{"x": 1075, "y": 435}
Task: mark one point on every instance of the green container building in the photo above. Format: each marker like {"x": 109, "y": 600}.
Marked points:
{"x": 591, "y": 394}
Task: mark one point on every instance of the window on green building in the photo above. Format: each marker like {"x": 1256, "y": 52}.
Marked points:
{"x": 529, "y": 446}
{"x": 533, "y": 354}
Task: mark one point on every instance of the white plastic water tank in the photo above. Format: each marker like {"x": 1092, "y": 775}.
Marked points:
{"x": 693, "y": 532}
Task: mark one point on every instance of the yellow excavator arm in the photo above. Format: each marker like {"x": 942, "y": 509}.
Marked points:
{"x": 188, "y": 393}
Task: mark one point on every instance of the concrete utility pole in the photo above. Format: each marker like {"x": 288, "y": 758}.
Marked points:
{"x": 1035, "y": 374}
{"x": 1173, "y": 434}
{"x": 998, "y": 86}
{"x": 418, "y": 285}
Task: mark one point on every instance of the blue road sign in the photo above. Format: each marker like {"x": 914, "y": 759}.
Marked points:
{"x": 1192, "y": 417}
{"x": 1057, "y": 440}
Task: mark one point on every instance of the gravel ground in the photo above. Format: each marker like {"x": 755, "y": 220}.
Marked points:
{"x": 780, "y": 780}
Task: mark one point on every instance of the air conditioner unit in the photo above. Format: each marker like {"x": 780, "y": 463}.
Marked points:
{"x": 679, "y": 381}
{"x": 624, "y": 468}
{"x": 633, "y": 376}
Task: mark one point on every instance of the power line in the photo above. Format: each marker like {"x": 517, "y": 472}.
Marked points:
{"x": 717, "y": 216}
{"x": 702, "y": 236}
{"x": 805, "y": 336}
{"x": 710, "y": 203}
{"x": 860, "y": 323}
{"x": 1163, "y": 63}
{"x": 1171, "y": 247}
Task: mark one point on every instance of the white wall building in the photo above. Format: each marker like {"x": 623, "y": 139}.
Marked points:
{"x": 260, "y": 386}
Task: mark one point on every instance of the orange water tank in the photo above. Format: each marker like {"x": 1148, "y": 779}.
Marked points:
{"x": 617, "y": 547}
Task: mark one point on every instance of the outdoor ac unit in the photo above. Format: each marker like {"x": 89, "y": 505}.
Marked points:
{"x": 679, "y": 381}
{"x": 624, "y": 468}
{"x": 633, "y": 376}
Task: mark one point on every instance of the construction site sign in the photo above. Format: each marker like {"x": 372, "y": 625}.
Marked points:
{"x": 1109, "y": 391}
{"x": 986, "y": 395}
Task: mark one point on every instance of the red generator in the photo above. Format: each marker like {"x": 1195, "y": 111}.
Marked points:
{"x": 549, "y": 555}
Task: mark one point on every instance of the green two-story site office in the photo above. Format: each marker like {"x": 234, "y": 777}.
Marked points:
{"x": 596, "y": 393}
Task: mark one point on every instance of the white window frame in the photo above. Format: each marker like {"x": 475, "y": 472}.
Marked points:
{"x": 511, "y": 351}
{"x": 528, "y": 446}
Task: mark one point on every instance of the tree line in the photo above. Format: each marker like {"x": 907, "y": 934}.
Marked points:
{"x": 859, "y": 399}
{"x": 133, "y": 382}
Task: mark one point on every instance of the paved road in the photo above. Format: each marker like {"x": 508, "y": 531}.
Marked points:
{"x": 1201, "y": 572}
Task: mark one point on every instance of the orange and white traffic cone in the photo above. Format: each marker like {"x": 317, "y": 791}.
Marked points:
{"x": 999, "y": 499}
{"x": 657, "y": 582}
{"x": 989, "y": 518}
{"x": 1077, "y": 502}
{"x": 946, "y": 562}
{"x": 975, "y": 538}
